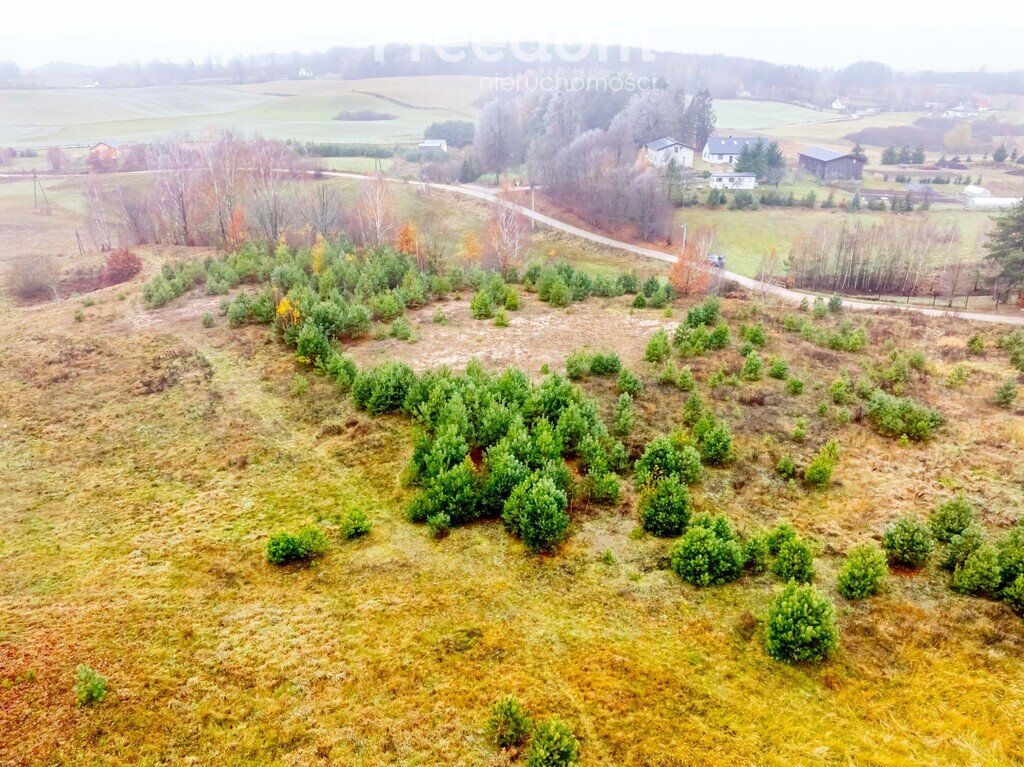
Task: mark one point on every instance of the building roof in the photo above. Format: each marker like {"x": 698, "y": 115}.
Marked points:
{"x": 434, "y": 142}
{"x": 825, "y": 155}
{"x": 111, "y": 144}
{"x": 734, "y": 175}
{"x": 730, "y": 144}
{"x": 664, "y": 143}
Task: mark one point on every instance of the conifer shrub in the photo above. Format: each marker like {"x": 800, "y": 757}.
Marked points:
{"x": 623, "y": 415}
{"x": 708, "y": 554}
{"x": 753, "y": 367}
{"x": 898, "y": 416}
{"x": 90, "y": 686}
{"x": 801, "y": 625}
{"x": 756, "y": 554}
{"x": 714, "y": 440}
{"x": 509, "y": 725}
{"x": 863, "y": 572}
{"x": 382, "y": 389}
{"x": 665, "y": 507}
{"x": 658, "y": 348}
{"x": 961, "y": 546}
{"x": 355, "y": 524}
{"x": 284, "y": 547}
{"x": 907, "y": 543}
{"x": 605, "y": 364}
{"x": 661, "y": 458}
{"x": 1006, "y": 394}
{"x": 778, "y": 368}
{"x": 553, "y": 745}
{"x": 482, "y": 307}
{"x": 980, "y": 574}
{"x": 629, "y": 383}
{"x": 536, "y": 512}
{"x": 819, "y": 471}
{"x": 951, "y": 517}
{"x": 779, "y": 535}
{"x": 795, "y": 561}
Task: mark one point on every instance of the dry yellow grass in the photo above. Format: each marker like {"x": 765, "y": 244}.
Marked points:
{"x": 145, "y": 460}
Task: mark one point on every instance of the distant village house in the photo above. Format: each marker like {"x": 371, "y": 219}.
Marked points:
{"x": 663, "y": 151}
{"x": 829, "y": 165}
{"x": 434, "y": 145}
{"x": 726, "y": 150}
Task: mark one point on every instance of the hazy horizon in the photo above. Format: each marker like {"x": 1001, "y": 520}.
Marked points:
{"x": 788, "y": 32}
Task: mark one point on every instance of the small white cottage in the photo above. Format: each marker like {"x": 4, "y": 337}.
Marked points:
{"x": 663, "y": 151}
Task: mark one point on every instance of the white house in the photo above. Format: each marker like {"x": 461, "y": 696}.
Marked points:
{"x": 962, "y": 110}
{"x": 840, "y": 104}
{"x": 663, "y": 151}
{"x": 733, "y": 180}
{"x": 434, "y": 145}
{"x": 305, "y": 74}
{"x": 725, "y": 150}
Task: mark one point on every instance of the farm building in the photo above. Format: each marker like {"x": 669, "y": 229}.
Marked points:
{"x": 434, "y": 145}
{"x": 663, "y": 151}
{"x": 733, "y": 180}
{"x": 830, "y": 165}
{"x": 993, "y": 203}
{"x": 726, "y": 149}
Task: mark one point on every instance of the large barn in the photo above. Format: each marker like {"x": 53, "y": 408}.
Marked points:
{"x": 830, "y": 165}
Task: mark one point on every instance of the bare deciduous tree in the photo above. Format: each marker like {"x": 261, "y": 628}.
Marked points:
{"x": 508, "y": 237}
{"x": 321, "y": 211}
{"x": 499, "y": 137}
{"x": 375, "y": 213}
{"x": 271, "y": 164}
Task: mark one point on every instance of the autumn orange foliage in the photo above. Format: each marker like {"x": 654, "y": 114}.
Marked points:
{"x": 236, "y": 229}
{"x": 691, "y": 274}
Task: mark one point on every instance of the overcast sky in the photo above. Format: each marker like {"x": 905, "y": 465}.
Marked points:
{"x": 785, "y": 31}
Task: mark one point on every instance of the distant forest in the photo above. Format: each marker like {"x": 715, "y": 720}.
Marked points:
{"x": 722, "y": 76}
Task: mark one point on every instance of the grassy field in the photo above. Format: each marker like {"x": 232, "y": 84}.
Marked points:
{"x": 744, "y": 237}
{"x": 299, "y": 110}
{"x": 146, "y": 460}
{"x": 748, "y": 115}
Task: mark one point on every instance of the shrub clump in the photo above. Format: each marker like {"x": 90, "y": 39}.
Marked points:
{"x": 662, "y": 459}
{"x": 795, "y": 561}
{"x": 285, "y": 547}
{"x": 801, "y": 625}
{"x": 981, "y": 573}
{"x": 907, "y": 543}
{"x": 536, "y": 512}
{"x": 665, "y": 507}
{"x": 708, "y": 554}
{"x": 553, "y": 745}
{"x": 509, "y": 725}
{"x": 819, "y": 471}
{"x": 951, "y": 517}
{"x": 863, "y": 572}
{"x": 355, "y": 524}
{"x": 901, "y": 416}
{"x": 90, "y": 686}
{"x": 658, "y": 348}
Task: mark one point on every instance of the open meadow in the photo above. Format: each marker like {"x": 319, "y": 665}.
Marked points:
{"x": 300, "y": 110}
{"x": 149, "y": 455}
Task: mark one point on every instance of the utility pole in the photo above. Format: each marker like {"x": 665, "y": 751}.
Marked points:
{"x": 533, "y": 207}
{"x": 684, "y": 226}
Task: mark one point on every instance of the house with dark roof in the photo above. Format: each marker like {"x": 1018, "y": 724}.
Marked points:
{"x": 726, "y": 150}
{"x": 829, "y": 165}
{"x": 661, "y": 152}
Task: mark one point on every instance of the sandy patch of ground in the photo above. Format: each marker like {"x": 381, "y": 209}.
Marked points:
{"x": 537, "y": 334}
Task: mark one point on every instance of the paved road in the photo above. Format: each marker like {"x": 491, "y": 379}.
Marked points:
{"x": 751, "y": 284}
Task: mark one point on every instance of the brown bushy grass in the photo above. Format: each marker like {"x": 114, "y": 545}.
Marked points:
{"x": 145, "y": 460}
